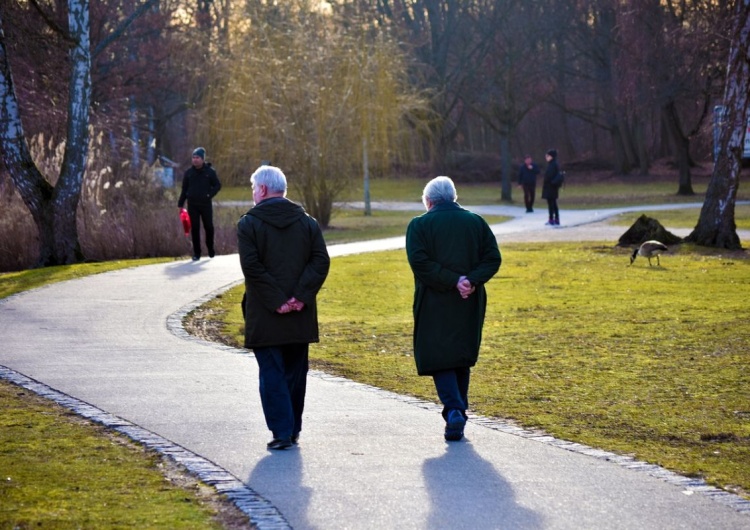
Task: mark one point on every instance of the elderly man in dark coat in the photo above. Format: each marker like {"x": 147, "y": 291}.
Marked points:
{"x": 452, "y": 253}
{"x": 285, "y": 262}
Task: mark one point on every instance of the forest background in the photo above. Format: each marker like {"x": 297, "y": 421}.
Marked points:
{"x": 335, "y": 93}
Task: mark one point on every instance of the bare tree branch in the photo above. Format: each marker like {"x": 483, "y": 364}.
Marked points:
{"x": 51, "y": 22}
{"x": 119, "y": 30}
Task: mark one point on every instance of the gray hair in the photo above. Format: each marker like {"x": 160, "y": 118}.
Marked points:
{"x": 440, "y": 189}
{"x": 271, "y": 177}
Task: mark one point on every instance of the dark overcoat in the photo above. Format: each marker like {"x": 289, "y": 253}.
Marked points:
{"x": 442, "y": 245}
{"x": 283, "y": 255}
{"x": 550, "y": 190}
{"x": 527, "y": 176}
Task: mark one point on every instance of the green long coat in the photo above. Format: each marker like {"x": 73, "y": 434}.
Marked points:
{"x": 442, "y": 245}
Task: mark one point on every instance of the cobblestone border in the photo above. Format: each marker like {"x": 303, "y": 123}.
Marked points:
{"x": 689, "y": 485}
{"x": 261, "y": 512}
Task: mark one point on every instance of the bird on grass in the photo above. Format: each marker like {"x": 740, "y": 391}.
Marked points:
{"x": 649, "y": 249}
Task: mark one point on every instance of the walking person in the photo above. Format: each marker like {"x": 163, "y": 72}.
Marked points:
{"x": 200, "y": 184}
{"x": 285, "y": 262}
{"x": 452, "y": 253}
{"x": 551, "y": 187}
{"x": 527, "y": 180}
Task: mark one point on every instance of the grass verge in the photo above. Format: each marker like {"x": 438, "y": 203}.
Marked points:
{"x": 647, "y": 361}
{"x": 103, "y": 481}
{"x": 60, "y": 471}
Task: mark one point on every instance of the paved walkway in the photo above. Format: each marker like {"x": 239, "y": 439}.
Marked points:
{"x": 111, "y": 347}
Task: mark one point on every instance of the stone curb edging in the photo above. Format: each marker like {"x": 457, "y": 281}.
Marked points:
{"x": 689, "y": 485}
{"x": 260, "y": 511}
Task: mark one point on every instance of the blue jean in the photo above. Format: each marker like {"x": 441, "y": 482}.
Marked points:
{"x": 453, "y": 389}
{"x": 283, "y": 383}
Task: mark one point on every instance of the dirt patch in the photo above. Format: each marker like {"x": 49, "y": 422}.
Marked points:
{"x": 226, "y": 513}
{"x": 206, "y": 324}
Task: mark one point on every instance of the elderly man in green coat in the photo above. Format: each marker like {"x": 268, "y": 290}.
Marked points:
{"x": 452, "y": 253}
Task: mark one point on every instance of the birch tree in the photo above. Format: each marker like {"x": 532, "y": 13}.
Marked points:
{"x": 716, "y": 226}
{"x": 54, "y": 207}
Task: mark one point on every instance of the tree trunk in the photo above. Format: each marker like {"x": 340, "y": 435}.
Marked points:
{"x": 506, "y": 187}
{"x": 641, "y": 148}
{"x": 52, "y": 208}
{"x": 716, "y": 226}
{"x": 366, "y": 173}
{"x": 681, "y": 145}
{"x": 34, "y": 189}
{"x": 622, "y": 166}
{"x": 68, "y": 188}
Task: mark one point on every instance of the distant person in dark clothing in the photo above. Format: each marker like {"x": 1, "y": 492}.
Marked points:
{"x": 551, "y": 187}
{"x": 527, "y": 180}
{"x": 199, "y": 185}
{"x": 285, "y": 262}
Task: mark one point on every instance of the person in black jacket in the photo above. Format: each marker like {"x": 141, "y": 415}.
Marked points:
{"x": 527, "y": 180}
{"x": 551, "y": 187}
{"x": 199, "y": 185}
{"x": 285, "y": 263}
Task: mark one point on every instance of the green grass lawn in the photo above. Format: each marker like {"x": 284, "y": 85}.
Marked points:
{"x": 647, "y": 361}
{"x": 576, "y": 194}
{"x": 59, "y": 471}
{"x": 683, "y": 218}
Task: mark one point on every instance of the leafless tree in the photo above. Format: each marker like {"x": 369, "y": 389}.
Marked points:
{"x": 716, "y": 226}
{"x": 54, "y": 207}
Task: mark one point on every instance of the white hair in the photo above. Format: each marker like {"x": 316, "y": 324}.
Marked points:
{"x": 271, "y": 177}
{"x": 440, "y": 189}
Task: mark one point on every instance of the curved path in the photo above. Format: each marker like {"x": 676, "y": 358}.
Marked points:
{"x": 110, "y": 347}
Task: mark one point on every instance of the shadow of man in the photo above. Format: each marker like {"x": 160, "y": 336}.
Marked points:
{"x": 467, "y": 492}
{"x": 278, "y": 478}
{"x": 181, "y": 269}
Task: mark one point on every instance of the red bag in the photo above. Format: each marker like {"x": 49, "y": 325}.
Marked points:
{"x": 185, "y": 218}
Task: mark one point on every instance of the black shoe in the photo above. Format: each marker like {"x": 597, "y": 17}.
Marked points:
{"x": 279, "y": 444}
{"x": 529, "y": 210}
{"x": 454, "y": 426}
{"x": 211, "y": 254}
{"x": 196, "y": 258}
{"x": 295, "y": 439}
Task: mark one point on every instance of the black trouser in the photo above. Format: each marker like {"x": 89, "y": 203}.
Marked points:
{"x": 554, "y": 212}
{"x": 529, "y": 190}
{"x": 453, "y": 389}
{"x": 198, "y": 212}
{"x": 283, "y": 383}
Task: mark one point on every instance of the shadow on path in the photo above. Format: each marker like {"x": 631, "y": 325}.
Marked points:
{"x": 279, "y": 473}
{"x": 466, "y": 491}
{"x": 181, "y": 268}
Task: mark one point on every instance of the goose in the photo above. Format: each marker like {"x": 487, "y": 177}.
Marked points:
{"x": 648, "y": 250}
